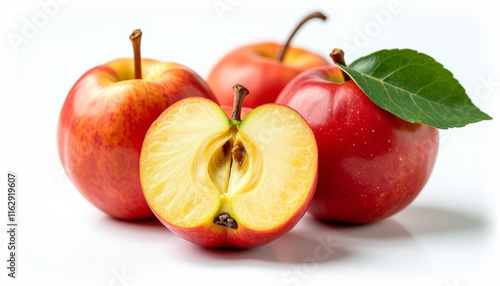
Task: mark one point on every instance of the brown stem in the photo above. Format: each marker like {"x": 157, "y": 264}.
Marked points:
{"x": 135, "y": 37}
{"x": 337, "y": 56}
{"x": 239, "y": 94}
{"x": 281, "y": 53}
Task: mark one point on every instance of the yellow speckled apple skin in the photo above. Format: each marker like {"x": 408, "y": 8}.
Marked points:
{"x": 103, "y": 123}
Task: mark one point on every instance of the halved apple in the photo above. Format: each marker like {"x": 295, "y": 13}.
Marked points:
{"x": 221, "y": 182}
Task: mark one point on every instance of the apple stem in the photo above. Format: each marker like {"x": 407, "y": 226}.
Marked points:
{"x": 337, "y": 56}
{"x": 239, "y": 94}
{"x": 281, "y": 53}
{"x": 135, "y": 37}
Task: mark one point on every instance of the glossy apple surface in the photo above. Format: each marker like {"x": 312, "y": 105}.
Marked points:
{"x": 103, "y": 123}
{"x": 371, "y": 163}
{"x": 198, "y": 166}
{"x": 255, "y": 67}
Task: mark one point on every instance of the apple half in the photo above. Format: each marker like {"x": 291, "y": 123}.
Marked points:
{"x": 220, "y": 182}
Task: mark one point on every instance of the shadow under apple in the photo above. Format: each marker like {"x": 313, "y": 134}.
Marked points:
{"x": 291, "y": 248}
{"x": 435, "y": 220}
{"x": 412, "y": 221}
{"x": 146, "y": 223}
{"x": 384, "y": 229}
{"x": 153, "y": 226}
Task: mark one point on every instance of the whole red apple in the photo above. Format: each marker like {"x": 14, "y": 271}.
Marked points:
{"x": 265, "y": 68}
{"x": 371, "y": 163}
{"x": 103, "y": 123}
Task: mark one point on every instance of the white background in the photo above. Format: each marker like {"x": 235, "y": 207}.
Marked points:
{"x": 449, "y": 236}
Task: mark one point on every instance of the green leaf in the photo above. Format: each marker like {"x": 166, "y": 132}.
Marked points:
{"x": 414, "y": 87}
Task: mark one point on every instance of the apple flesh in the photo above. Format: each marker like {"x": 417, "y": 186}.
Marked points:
{"x": 103, "y": 123}
{"x": 372, "y": 163}
{"x": 218, "y": 182}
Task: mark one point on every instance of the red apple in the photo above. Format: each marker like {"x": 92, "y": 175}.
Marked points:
{"x": 222, "y": 182}
{"x": 371, "y": 163}
{"x": 264, "y": 68}
{"x": 103, "y": 123}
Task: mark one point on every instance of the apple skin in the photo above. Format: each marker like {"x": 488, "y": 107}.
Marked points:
{"x": 216, "y": 236}
{"x": 372, "y": 164}
{"x": 255, "y": 67}
{"x": 102, "y": 125}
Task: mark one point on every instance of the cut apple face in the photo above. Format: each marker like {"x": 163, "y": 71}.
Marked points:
{"x": 200, "y": 170}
